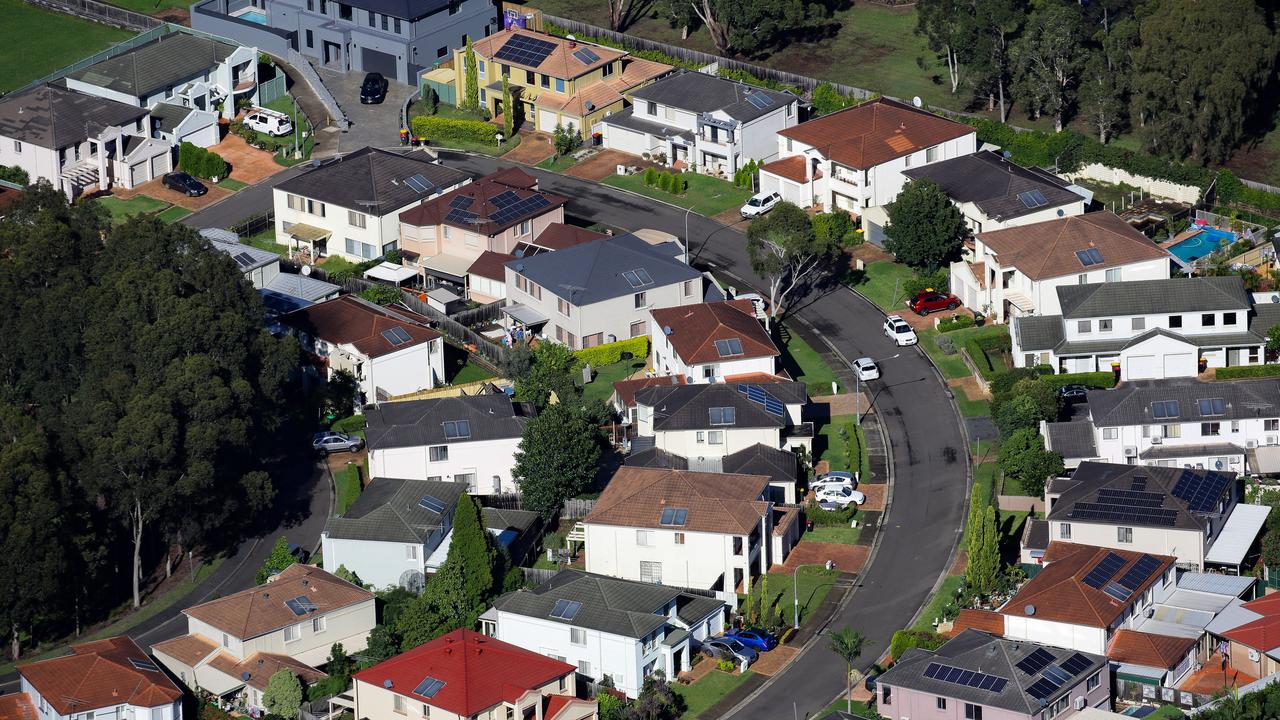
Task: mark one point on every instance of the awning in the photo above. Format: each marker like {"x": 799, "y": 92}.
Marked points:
{"x": 1020, "y": 301}
{"x": 1140, "y": 674}
{"x": 1266, "y": 460}
{"x": 303, "y": 232}
{"x": 443, "y": 295}
{"x": 390, "y": 272}
{"x": 452, "y": 266}
{"x": 1238, "y": 534}
{"x": 524, "y": 314}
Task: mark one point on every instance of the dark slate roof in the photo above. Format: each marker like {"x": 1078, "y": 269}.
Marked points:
{"x": 372, "y": 181}
{"x": 656, "y": 458}
{"x": 156, "y": 65}
{"x": 388, "y": 511}
{"x": 977, "y": 651}
{"x": 1130, "y": 404}
{"x": 1165, "y": 452}
{"x": 992, "y": 183}
{"x": 54, "y": 117}
{"x": 1153, "y": 297}
{"x": 687, "y": 407}
{"x": 594, "y": 270}
{"x": 780, "y": 465}
{"x": 1038, "y": 332}
{"x": 627, "y": 119}
{"x": 1071, "y": 439}
{"x": 619, "y": 607}
{"x": 1035, "y": 536}
{"x": 170, "y": 115}
{"x": 1093, "y": 479}
{"x": 702, "y": 93}
{"x": 415, "y": 423}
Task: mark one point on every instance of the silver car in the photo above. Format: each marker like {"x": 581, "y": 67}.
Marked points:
{"x": 331, "y": 442}
{"x": 723, "y": 648}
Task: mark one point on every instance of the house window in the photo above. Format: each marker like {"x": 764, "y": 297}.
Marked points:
{"x": 373, "y": 16}
{"x": 442, "y": 51}
{"x": 972, "y": 712}
{"x": 607, "y": 70}
{"x": 931, "y": 155}
{"x": 702, "y": 436}
{"x": 292, "y": 633}
{"x": 1172, "y": 431}
{"x": 17, "y": 146}
{"x": 386, "y": 23}
{"x": 484, "y": 96}
{"x": 453, "y": 10}
{"x": 563, "y": 306}
{"x": 644, "y": 538}
{"x": 1104, "y": 325}
{"x": 1235, "y": 426}
{"x": 1093, "y": 681}
{"x": 650, "y": 572}
{"x": 399, "y": 703}
{"x": 411, "y": 553}
{"x": 1271, "y": 425}
{"x": 525, "y": 227}
{"x": 1138, "y": 323}
{"x": 577, "y": 636}
{"x": 687, "y": 288}
{"x": 679, "y": 538}
{"x": 438, "y": 453}
{"x": 584, "y": 669}
{"x": 467, "y": 480}
{"x": 791, "y": 109}
{"x": 397, "y": 26}
{"x": 906, "y": 159}
{"x": 1229, "y": 318}
{"x": 226, "y": 641}
{"x": 310, "y": 40}
{"x": 545, "y": 81}
{"x": 1082, "y": 278}
{"x": 639, "y": 327}
{"x": 344, "y": 11}
{"x": 653, "y": 108}
{"x": 1113, "y": 275}
{"x": 1084, "y": 326}
{"x": 941, "y": 702}
{"x": 559, "y": 85}
{"x": 1124, "y": 535}
{"x": 1208, "y": 319}
{"x": 1064, "y": 531}
{"x": 1175, "y": 321}
{"x": 640, "y": 299}
{"x": 715, "y": 437}
{"x": 709, "y": 372}
{"x": 480, "y": 68}
{"x": 1210, "y": 429}
{"x": 886, "y": 695}
{"x": 426, "y": 710}
{"x": 359, "y": 249}
{"x": 319, "y": 624}
{"x": 535, "y": 290}
{"x": 355, "y": 219}
{"x": 1111, "y": 433}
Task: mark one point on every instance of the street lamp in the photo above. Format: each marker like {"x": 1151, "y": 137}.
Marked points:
{"x": 686, "y": 235}
{"x": 857, "y": 393}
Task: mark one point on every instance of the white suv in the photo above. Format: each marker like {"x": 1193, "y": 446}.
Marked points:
{"x": 760, "y": 203}
{"x": 267, "y": 121}
{"x": 897, "y": 330}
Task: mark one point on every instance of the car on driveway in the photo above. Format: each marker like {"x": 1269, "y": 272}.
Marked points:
{"x": 1073, "y": 393}
{"x": 932, "y": 301}
{"x": 760, "y": 203}
{"x": 835, "y": 478}
{"x": 331, "y": 442}
{"x": 374, "y": 89}
{"x": 757, "y": 640}
{"x": 897, "y": 330}
{"x": 184, "y": 183}
{"x": 271, "y": 122}
{"x": 866, "y": 369}
{"x": 726, "y": 648}
{"x": 840, "y": 496}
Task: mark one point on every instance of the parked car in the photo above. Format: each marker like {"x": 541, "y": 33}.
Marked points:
{"x": 271, "y": 122}
{"x": 374, "y": 89}
{"x": 932, "y": 301}
{"x": 757, "y": 640}
{"x": 330, "y": 442}
{"x": 1073, "y": 393}
{"x": 840, "y": 495}
{"x": 299, "y": 553}
{"x": 897, "y": 330}
{"x": 866, "y": 369}
{"x": 835, "y": 478}
{"x": 184, "y": 183}
{"x": 760, "y": 203}
{"x": 726, "y": 648}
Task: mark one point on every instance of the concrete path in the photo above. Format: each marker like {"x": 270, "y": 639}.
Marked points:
{"x": 371, "y": 125}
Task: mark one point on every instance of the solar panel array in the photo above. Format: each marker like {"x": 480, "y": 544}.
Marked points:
{"x": 505, "y": 198}
{"x": 638, "y": 277}
{"x": 1165, "y": 409}
{"x": 1035, "y": 662}
{"x": 586, "y": 56}
{"x": 243, "y": 259}
{"x": 1131, "y": 497}
{"x": 566, "y": 609}
{"x": 147, "y": 665}
{"x": 1117, "y": 592}
{"x": 432, "y": 503}
{"x": 300, "y": 605}
{"x": 525, "y": 50}
{"x": 1139, "y": 483}
{"x": 1033, "y": 199}
{"x": 760, "y": 100}
{"x": 757, "y": 394}
{"x": 1212, "y": 407}
{"x": 1076, "y": 664}
{"x": 1092, "y": 256}
{"x": 960, "y": 676}
{"x": 461, "y": 202}
{"x": 729, "y": 348}
{"x": 419, "y": 183}
{"x": 1163, "y": 517}
{"x": 519, "y": 209}
{"x": 1141, "y": 571}
{"x": 1108, "y": 566}
{"x": 461, "y": 217}
{"x": 429, "y": 687}
{"x": 1201, "y": 492}
{"x": 1053, "y": 679}
{"x": 396, "y": 336}
{"x": 674, "y": 516}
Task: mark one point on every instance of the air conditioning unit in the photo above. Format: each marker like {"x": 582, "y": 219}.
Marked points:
{"x": 1253, "y": 655}
{"x": 1079, "y": 703}
{"x": 1251, "y": 444}
{"x": 1157, "y": 440}
{"x": 1272, "y": 440}
{"x": 1131, "y": 451}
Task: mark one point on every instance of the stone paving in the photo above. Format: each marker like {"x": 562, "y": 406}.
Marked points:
{"x": 772, "y": 662}
{"x": 249, "y": 165}
{"x": 847, "y": 558}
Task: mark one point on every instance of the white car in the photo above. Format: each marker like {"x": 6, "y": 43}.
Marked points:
{"x": 760, "y": 203}
{"x": 835, "y": 478}
{"x": 897, "y": 330}
{"x": 839, "y": 495}
{"x": 271, "y": 122}
{"x": 866, "y": 369}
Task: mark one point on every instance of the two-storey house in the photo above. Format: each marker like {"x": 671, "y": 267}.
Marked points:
{"x": 621, "y": 630}
{"x": 390, "y": 350}
{"x": 711, "y": 342}
{"x": 782, "y": 467}
{"x": 234, "y": 644}
{"x": 1148, "y": 329}
{"x": 281, "y": 291}
{"x": 598, "y": 292}
{"x": 110, "y": 679}
{"x": 1252, "y": 634}
{"x": 464, "y": 675}
{"x": 854, "y": 159}
{"x": 706, "y": 122}
{"x": 977, "y": 676}
{"x": 709, "y": 420}
{"x": 350, "y": 205}
{"x": 468, "y": 439}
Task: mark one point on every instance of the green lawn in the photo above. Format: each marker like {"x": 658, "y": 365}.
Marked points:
{"x": 881, "y": 282}
{"x": 558, "y": 163}
{"x": 836, "y": 451}
{"x": 971, "y": 408}
{"x": 842, "y": 534}
{"x": 232, "y": 185}
{"x": 810, "y": 588}
{"x": 933, "y": 610}
{"x": 146, "y": 7}
{"x": 348, "y": 487}
{"x": 951, "y": 366}
{"x": 284, "y": 104}
{"x": 353, "y": 425}
{"x": 36, "y": 42}
{"x": 266, "y": 240}
{"x": 807, "y": 366}
{"x": 173, "y": 214}
{"x": 122, "y": 210}
{"x": 843, "y": 706}
{"x": 706, "y": 195}
{"x": 601, "y": 388}
{"x": 470, "y": 372}
{"x": 707, "y": 690}
{"x": 485, "y": 148}
{"x": 1166, "y": 712}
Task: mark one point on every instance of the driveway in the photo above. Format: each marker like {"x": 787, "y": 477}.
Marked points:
{"x": 250, "y": 201}
{"x": 374, "y": 125}
{"x": 156, "y": 189}
{"x": 249, "y": 165}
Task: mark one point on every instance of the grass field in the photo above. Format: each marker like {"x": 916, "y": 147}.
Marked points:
{"x": 470, "y": 372}
{"x": 881, "y": 283}
{"x": 266, "y": 240}
{"x": 858, "y": 708}
{"x": 232, "y": 185}
{"x": 36, "y": 42}
{"x": 706, "y": 195}
{"x": 934, "y": 609}
{"x": 558, "y": 164}
{"x": 173, "y": 214}
{"x": 146, "y": 7}
{"x": 122, "y": 210}
{"x": 952, "y": 366}
{"x": 348, "y": 487}
{"x": 834, "y": 451}
{"x": 842, "y": 534}
{"x": 807, "y": 366}
{"x": 707, "y": 691}
{"x": 971, "y": 408}
{"x": 601, "y": 388}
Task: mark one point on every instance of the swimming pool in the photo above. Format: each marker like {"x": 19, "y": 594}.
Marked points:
{"x": 253, "y": 16}
{"x": 1202, "y": 243}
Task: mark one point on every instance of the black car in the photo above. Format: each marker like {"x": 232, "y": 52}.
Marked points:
{"x": 373, "y": 90}
{"x": 1072, "y": 394}
{"x": 184, "y": 184}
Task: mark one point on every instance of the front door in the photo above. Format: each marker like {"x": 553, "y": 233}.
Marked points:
{"x": 332, "y": 55}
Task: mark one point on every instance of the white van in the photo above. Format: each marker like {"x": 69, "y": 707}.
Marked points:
{"x": 271, "y": 122}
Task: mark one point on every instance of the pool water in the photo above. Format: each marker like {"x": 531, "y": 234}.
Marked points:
{"x": 1202, "y": 244}
{"x": 254, "y": 16}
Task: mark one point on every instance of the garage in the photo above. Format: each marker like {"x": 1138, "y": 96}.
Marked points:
{"x": 1143, "y": 367}
{"x": 1179, "y": 365}
{"x": 137, "y": 174}
{"x": 159, "y": 165}
{"x": 627, "y": 141}
{"x": 377, "y": 61}
{"x": 547, "y": 120}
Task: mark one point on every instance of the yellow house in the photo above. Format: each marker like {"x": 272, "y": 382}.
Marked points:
{"x": 554, "y": 80}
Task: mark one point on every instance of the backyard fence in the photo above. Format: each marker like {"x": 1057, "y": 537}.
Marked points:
{"x": 309, "y": 76}
{"x": 537, "y": 576}
{"x": 487, "y": 313}
{"x": 254, "y": 224}
{"x": 273, "y": 89}
{"x": 573, "y": 508}
{"x": 103, "y": 13}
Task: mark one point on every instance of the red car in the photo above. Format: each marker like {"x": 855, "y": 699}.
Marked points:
{"x": 933, "y": 301}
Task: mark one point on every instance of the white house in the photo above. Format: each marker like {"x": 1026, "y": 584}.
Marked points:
{"x": 854, "y": 159}
{"x": 1016, "y": 272}
{"x": 390, "y": 350}
{"x": 710, "y": 124}
{"x": 350, "y": 205}
{"x": 235, "y": 643}
{"x": 709, "y": 420}
{"x": 609, "y": 628}
{"x": 711, "y": 342}
{"x": 111, "y": 679}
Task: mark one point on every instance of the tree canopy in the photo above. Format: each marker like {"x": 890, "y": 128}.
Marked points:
{"x": 557, "y": 457}
{"x": 1024, "y": 459}
{"x": 925, "y": 229}
{"x": 283, "y": 695}
{"x": 785, "y": 250}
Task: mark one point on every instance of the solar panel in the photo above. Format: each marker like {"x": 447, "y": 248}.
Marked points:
{"x": 1057, "y": 674}
{"x": 1035, "y": 662}
{"x": 457, "y": 429}
{"x": 505, "y": 198}
{"x": 292, "y": 604}
{"x": 147, "y": 665}
{"x": 1032, "y": 199}
{"x": 729, "y": 348}
{"x": 520, "y": 209}
{"x": 960, "y": 676}
{"x": 1109, "y": 565}
{"x": 460, "y": 217}
{"x": 638, "y": 277}
{"x": 305, "y": 603}
{"x": 243, "y": 259}
{"x": 1164, "y": 517}
{"x": 586, "y": 56}
{"x": 418, "y": 183}
{"x": 525, "y": 50}
{"x": 1076, "y": 664}
{"x": 1201, "y": 492}
{"x": 432, "y": 503}
{"x": 1130, "y": 497}
{"x": 1139, "y": 483}
{"x": 462, "y": 202}
{"x": 674, "y": 516}
{"x": 396, "y": 336}
{"x": 774, "y": 406}
{"x": 1091, "y": 256}
{"x": 723, "y": 415}
{"x": 1165, "y": 409}
{"x": 429, "y": 687}
{"x": 1212, "y": 407}
{"x": 1118, "y": 593}
{"x": 1042, "y": 689}
{"x": 760, "y": 100}
{"x": 566, "y": 609}
{"x": 1139, "y": 573}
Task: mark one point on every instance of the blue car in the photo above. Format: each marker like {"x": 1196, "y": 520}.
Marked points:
{"x": 758, "y": 640}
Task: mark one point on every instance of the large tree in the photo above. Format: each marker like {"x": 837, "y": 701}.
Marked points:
{"x": 752, "y": 26}
{"x": 283, "y": 695}
{"x": 1024, "y": 459}
{"x": 925, "y": 229}
{"x": 784, "y": 250}
{"x": 847, "y": 644}
{"x": 996, "y": 24}
{"x": 557, "y": 457}
{"x": 1047, "y": 60}
{"x": 550, "y": 373}
{"x": 949, "y": 28}
{"x": 471, "y": 77}
{"x": 982, "y": 546}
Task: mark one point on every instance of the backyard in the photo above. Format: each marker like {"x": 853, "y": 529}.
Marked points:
{"x": 601, "y": 388}
{"x": 122, "y": 210}
{"x": 459, "y": 367}
{"x": 37, "y": 42}
{"x": 706, "y": 195}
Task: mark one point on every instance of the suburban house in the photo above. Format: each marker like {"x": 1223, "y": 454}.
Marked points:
{"x": 781, "y": 466}
{"x": 399, "y": 531}
{"x": 1178, "y": 423}
{"x": 110, "y": 679}
{"x": 446, "y": 235}
{"x": 350, "y": 205}
{"x": 192, "y": 79}
{"x": 976, "y": 672}
{"x": 464, "y": 674}
{"x": 598, "y": 292}
{"x": 993, "y": 193}
{"x": 397, "y": 38}
{"x": 711, "y": 342}
{"x": 622, "y": 630}
{"x": 705, "y": 122}
{"x": 1016, "y": 271}
{"x": 1150, "y": 329}
{"x": 712, "y": 531}
{"x": 854, "y": 159}
{"x": 78, "y": 142}
{"x": 554, "y": 80}
{"x": 467, "y": 439}
{"x": 281, "y": 292}
{"x": 390, "y": 350}
{"x": 709, "y": 420}
{"x": 487, "y": 275}
{"x": 623, "y": 399}
{"x": 1250, "y": 630}
{"x": 234, "y": 644}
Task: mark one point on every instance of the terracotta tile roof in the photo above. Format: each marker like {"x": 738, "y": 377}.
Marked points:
{"x": 1059, "y": 593}
{"x": 558, "y": 236}
{"x": 791, "y": 168}
{"x": 716, "y": 502}
{"x": 491, "y": 265}
{"x": 100, "y": 674}
{"x": 979, "y": 271}
{"x": 559, "y": 63}
{"x": 350, "y": 320}
{"x": 758, "y": 378}
{"x": 875, "y": 132}
{"x": 17, "y": 706}
{"x": 696, "y": 328}
{"x": 626, "y": 389}
{"x": 9, "y": 197}
{"x": 257, "y": 669}
{"x": 512, "y": 181}
{"x": 478, "y": 672}
{"x": 260, "y": 610}
{"x": 567, "y": 706}
{"x": 188, "y": 649}
{"x": 1156, "y": 651}
{"x": 784, "y": 518}
{"x": 1048, "y": 249}
{"x": 987, "y": 621}
{"x": 1262, "y": 634}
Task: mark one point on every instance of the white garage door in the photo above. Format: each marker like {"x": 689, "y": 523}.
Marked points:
{"x": 627, "y": 141}
{"x": 137, "y": 174}
{"x": 159, "y": 165}
{"x": 1143, "y": 367}
{"x": 547, "y": 121}
{"x": 1179, "y": 365}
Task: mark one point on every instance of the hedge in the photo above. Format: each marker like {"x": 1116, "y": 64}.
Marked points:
{"x": 955, "y": 322}
{"x": 1088, "y": 379}
{"x": 1247, "y": 371}
{"x": 977, "y": 348}
{"x": 201, "y": 162}
{"x": 819, "y": 517}
{"x": 611, "y": 353}
{"x": 436, "y": 127}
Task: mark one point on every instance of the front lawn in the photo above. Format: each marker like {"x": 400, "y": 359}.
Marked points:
{"x": 859, "y": 708}
{"x": 951, "y": 366}
{"x": 347, "y": 482}
{"x": 285, "y": 104}
{"x": 558, "y": 163}
{"x": 805, "y": 365}
{"x": 977, "y": 407}
{"x": 173, "y": 214}
{"x": 933, "y": 611}
{"x": 810, "y": 586}
{"x": 842, "y": 534}
{"x": 37, "y": 42}
{"x": 232, "y": 185}
{"x": 122, "y": 210}
{"x": 707, "y": 690}
{"x": 846, "y": 452}
{"x": 705, "y": 194}
{"x": 881, "y": 283}
{"x": 601, "y": 388}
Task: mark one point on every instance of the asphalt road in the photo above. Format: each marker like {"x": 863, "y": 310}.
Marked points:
{"x": 253, "y": 200}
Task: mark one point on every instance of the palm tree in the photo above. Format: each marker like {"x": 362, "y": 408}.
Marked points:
{"x": 847, "y": 643}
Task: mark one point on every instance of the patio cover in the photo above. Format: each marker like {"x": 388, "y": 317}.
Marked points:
{"x": 1139, "y": 673}
{"x": 1238, "y": 534}
{"x": 390, "y": 272}
{"x": 450, "y": 265}
{"x": 524, "y": 314}
{"x": 303, "y": 232}
{"x": 1266, "y": 460}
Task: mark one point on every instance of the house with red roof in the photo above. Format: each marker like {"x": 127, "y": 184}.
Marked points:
{"x": 1251, "y": 633}
{"x": 466, "y": 674}
{"x": 711, "y": 341}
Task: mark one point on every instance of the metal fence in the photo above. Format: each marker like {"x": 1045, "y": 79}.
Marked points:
{"x": 312, "y": 78}
{"x": 537, "y": 576}
{"x": 273, "y": 89}
{"x": 103, "y": 13}
{"x": 254, "y": 224}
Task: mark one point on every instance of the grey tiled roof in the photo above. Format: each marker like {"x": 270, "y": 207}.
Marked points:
{"x": 654, "y": 458}
{"x": 372, "y": 181}
{"x": 301, "y": 286}
{"x": 1090, "y": 478}
{"x": 54, "y": 117}
{"x": 979, "y": 652}
{"x": 1071, "y": 439}
{"x": 593, "y": 272}
{"x": 1038, "y": 332}
{"x": 1152, "y": 297}
{"x": 992, "y": 183}
{"x": 1045, "y": 332}
{"x": 1036, "y": 535}
{"x": 628, "y": 120}
{"x": 388, "y": 510}
{"x": 170, "y": 115}
{"x": 157, "y": 65}
{"x": 1165, "y": 452}
{"x": 699, "y": 93}
{"x": 414, "y": 423}
{"x": 1130, "y": 404}
{"x": 619, "y": 607}
{"x": 780, "y": 465}
{"x": 687, "y": 407}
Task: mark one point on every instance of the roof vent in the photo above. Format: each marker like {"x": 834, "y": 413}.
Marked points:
{"x": 244, "y": 676}
{"x": 1029, "y": 609}
{"x": 387, "y": 683}
{"x": 666, "y": 329}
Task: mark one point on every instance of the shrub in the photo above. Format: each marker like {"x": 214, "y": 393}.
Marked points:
{"x": 14, "y": 174}
{"x": 837, "y": 226}
{"x": 381, "y": 294}
{"x": 348, "y": 424}
{"x": 816, "y": 515}
{"x": 650, "y": 176}
{"x": 946, "y": 345}
{"x": 977, "y": 348}
{"x": 201, "y": 162}
{"x": 443, "y": 129}
{"x": 611, "y": 353}
{"x": 918, "y": 283}
{"x": 679, "y": 185}
{"x": 957, "y": 322}
{"x": 566, "y": 138}
{"x": 904, "y": 640}
{"x": 1098, "y": 379}
{"x": 1247, "y": 371}
{"x": 664, "y": 181}
{"x": 726, "y": 665}
{"x": 826, "y": 100}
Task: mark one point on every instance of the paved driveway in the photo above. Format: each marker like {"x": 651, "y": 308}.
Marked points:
{"x": 376, "y": 125}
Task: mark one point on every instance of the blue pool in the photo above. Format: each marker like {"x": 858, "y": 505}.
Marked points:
{"x": 254, "y": 16}
{"x": 1202, "y": 243}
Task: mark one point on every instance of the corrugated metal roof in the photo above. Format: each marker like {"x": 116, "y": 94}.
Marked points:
{"x": 1238, "y": 534}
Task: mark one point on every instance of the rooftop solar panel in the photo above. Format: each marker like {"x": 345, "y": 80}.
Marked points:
{"x": 1141, "y": 571}
{"x": 586, "y": 56}
{"x": 1042, "y": 689}
{"x": 1035, "y": 662}
{"x": 525, "y": 50}
{"x": 1076, "y": 664}
{"x": 1162, "y": 517}
{"x": 505, "y": 198}
{"x": 432, "y": 503}
{"x": 1108, "y": 566}
{"x": 243, "y": 259}
{"x": 461, "y": 202}
{"x": 1120, "y": 594}
{"x": 969, "y": 678}
{"x": 1201, "y": 492}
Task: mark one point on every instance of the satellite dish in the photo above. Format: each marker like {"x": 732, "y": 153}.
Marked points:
{"x": 1061, "y": 212}
{"x": 1275, "y": 298}
{"x": 1029, "y": 609}
{"x": 413, "y": 581}
{"x": 306, "y": 270}
{"x": 917, "y": 102}
{"x": 1006, "y": 154}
